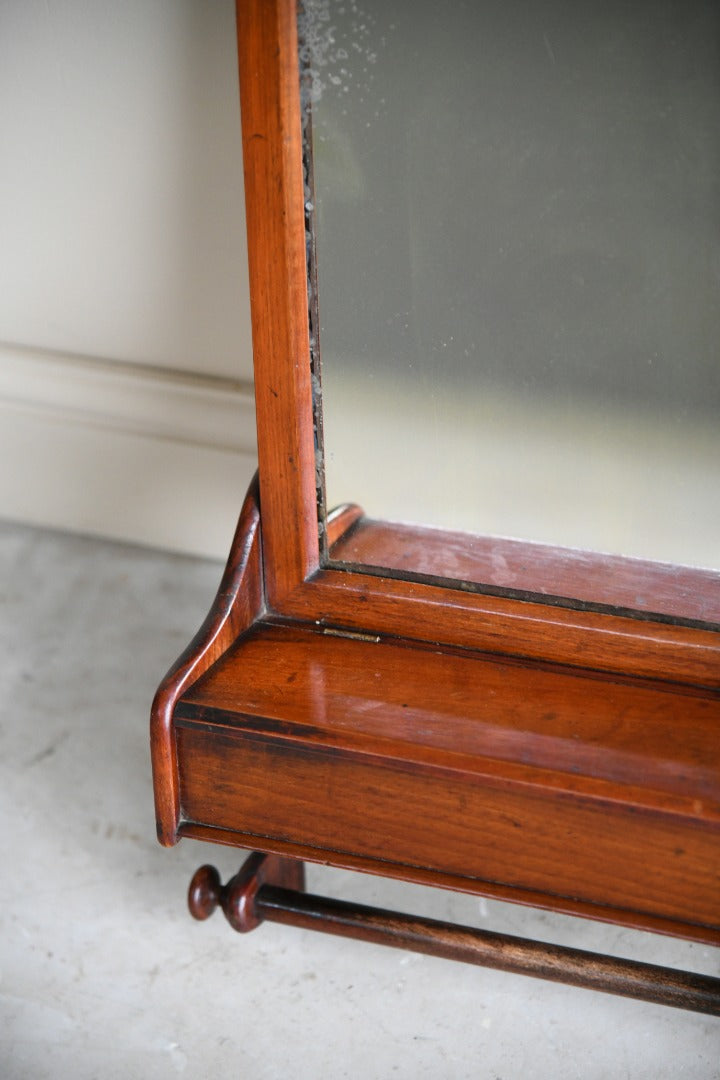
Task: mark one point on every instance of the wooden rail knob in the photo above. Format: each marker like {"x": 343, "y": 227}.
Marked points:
{"x": 239, "y": 897}
{"x": 236, "y": 898}
{"x": 205, "y": 892}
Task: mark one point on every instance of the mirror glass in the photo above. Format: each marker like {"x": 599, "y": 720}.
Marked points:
{"x": 515, "y": 212}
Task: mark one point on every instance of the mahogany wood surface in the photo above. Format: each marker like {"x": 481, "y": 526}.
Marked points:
{"x": 589, "y": 639}
{"x": 239, "y": 601}
{"x": 238, "y": 898}
{"x": 573, "y": 785}
{"x": 275, "y": 198}
{"x": 271, "y": 888}
{"x": 578, "y": 729}
{"x": 683, "y": 592}
{"x": 422, "y": 876}
{"x": 275, "y": 214}
{"x": 522, "y": 956}
{"x": 452, "y": 823}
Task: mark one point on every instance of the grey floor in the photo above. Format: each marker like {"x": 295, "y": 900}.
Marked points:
{"x": 102, "y": 972}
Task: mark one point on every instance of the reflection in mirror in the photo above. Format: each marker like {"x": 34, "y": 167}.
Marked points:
{"x": 517, "y": 226}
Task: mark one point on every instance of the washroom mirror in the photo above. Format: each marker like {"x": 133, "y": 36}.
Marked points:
{"x": 514, "y": 235}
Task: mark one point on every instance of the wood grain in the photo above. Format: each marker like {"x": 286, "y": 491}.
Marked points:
{"x": 556, "y": 963}
{"x": 275, "y": 212}
{"x": 423, "y": 876}
{"x": 575, "y": 786}
{"x": 270, "y": 94}
{"x": 611, "y": 581}
{"x": 588, "y": 639}
{"x": 239, "y": 601}
{"x": 271, "y": 888}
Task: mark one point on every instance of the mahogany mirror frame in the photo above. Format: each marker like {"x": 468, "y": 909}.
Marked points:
{"x": 276, "y": 577}
{"x": 296, "y": 582}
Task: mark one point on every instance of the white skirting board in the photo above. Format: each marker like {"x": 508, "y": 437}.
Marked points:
{"x": 148, "y": 455}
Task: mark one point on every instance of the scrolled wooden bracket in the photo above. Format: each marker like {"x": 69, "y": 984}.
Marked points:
{"x": 238, "y": 603}
{"x": 238, "y": 898}
{"x": 272, "y": 888}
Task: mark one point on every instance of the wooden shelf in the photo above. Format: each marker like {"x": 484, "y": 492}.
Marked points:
{"x": 501, "y": 777}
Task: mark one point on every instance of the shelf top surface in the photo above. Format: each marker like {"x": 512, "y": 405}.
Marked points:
{"x": 651, "y": 743}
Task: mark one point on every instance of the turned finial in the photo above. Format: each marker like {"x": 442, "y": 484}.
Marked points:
{"x": 205, "y": 892}
{"x": 237, "y": 897}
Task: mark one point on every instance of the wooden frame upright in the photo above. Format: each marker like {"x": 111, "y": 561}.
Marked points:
{"x": 583, "y": 744}
{"x": 296, "y": 585}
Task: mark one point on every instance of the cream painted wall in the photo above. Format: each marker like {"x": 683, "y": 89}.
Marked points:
{"x": 125, "y": 354}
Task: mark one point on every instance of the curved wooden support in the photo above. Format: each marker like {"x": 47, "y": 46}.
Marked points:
{"x": 238, "y": 898}
{"x": 238, "y": 603}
